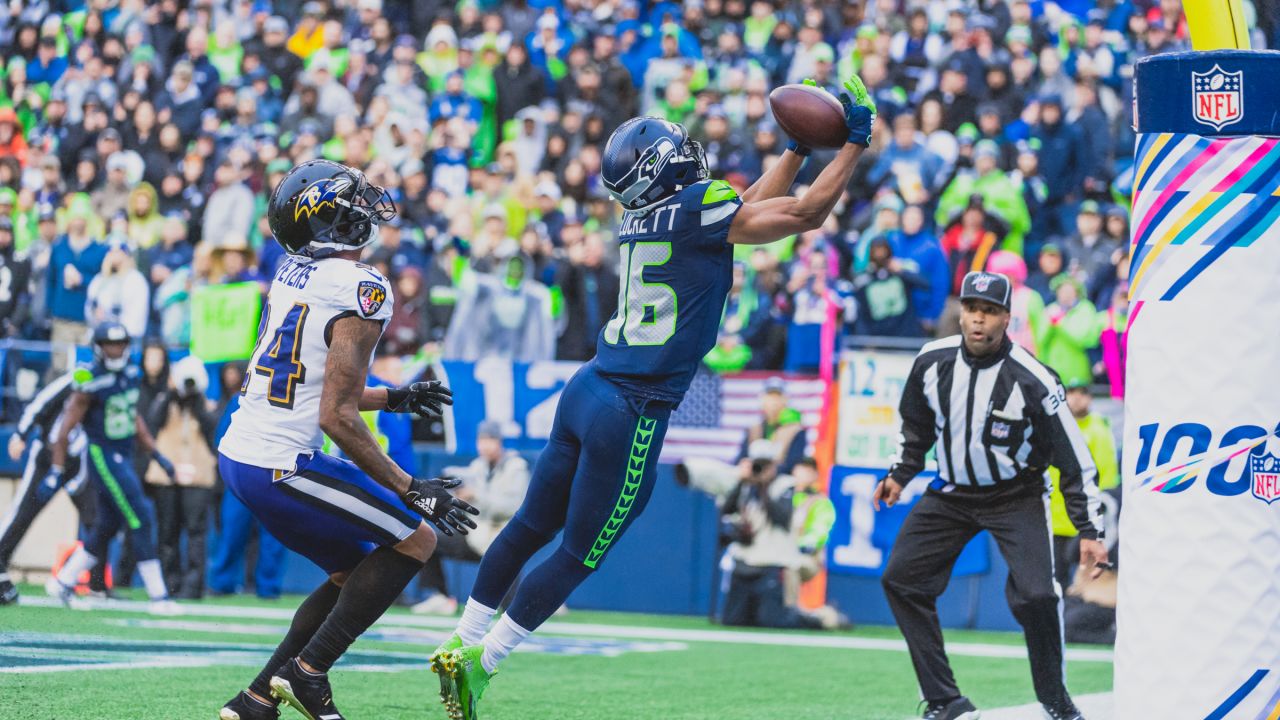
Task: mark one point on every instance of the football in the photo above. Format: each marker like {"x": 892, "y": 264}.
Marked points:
{"x": 809, "y": 115}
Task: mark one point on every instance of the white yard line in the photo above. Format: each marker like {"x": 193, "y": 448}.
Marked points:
{"x": 734, "y": 637}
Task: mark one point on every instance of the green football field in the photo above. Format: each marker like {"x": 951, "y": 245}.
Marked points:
{"x": 115, "y": 662}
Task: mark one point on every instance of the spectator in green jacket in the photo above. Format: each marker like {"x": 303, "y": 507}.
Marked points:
{"x": 1071, "y": 331}
{"x": 1001, "y": 196}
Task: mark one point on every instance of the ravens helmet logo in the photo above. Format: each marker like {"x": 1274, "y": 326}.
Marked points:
{"x": 318, "y": 195}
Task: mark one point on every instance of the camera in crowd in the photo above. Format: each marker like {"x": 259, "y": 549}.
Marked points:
{"x": 189, "y": 377}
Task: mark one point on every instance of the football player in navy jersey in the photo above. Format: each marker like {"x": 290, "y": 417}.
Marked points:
{"x": 104, "y": 402}
{"x": 597, "y": 472}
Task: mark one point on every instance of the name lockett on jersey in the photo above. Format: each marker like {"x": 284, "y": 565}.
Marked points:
{"x": 655, "y": 221}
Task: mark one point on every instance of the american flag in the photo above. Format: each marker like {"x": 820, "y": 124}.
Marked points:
{"x": 718, "y": 409}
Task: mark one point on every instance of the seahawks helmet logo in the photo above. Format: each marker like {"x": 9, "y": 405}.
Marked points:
{"x": 318, "y": 195}
{"x": 636, "y": 184}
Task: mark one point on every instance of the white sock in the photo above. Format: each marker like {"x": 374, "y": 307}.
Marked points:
{"x": 79, "y": 562}
{"x": 153, "y": 579}
{"x": 475, "y": 622}
{"x": 500, "y": 641}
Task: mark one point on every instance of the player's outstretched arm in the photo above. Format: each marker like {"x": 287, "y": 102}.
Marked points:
{"x": 351, "y": 345}
{"x": 777, "y": 180}
{"x": 765, "y": 221}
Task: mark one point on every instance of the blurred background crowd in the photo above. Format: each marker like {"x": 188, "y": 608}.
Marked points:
{"x": 140, "y": 140}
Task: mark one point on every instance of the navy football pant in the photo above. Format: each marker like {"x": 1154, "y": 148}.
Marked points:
{"x": 121, "y": 503}
{"x": 593, "y": 480}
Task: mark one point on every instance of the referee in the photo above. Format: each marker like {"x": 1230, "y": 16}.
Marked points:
{"x": 36, "y": 428}
{"x": 998, "y": 418}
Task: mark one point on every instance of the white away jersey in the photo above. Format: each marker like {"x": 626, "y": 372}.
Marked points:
{"x": 279, "y": 414}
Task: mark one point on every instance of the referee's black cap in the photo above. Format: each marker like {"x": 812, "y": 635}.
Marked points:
{"x": 991, "y": 287}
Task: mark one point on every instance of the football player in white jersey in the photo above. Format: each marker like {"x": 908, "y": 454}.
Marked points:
{"x": 360, "y": 520}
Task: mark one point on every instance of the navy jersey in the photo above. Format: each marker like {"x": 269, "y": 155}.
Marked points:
{"x": 676, "y": 271}
{"x": 111, "y": 418}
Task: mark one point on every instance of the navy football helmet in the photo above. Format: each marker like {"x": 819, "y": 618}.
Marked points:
{"x": 110, "y": 331}
{"x": 648, "y": 159}
{"x": 321, "y": 208}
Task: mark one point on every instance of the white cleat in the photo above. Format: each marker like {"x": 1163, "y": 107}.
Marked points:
{"x": 164, "y": 607}
{"x": 438, "y": 604}
{"x": 58, "y": 591}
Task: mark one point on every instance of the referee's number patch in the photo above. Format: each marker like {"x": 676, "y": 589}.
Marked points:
{"x": 1054, "y": 400}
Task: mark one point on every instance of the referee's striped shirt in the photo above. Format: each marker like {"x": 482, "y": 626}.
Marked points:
{"x": 998, "y": 422}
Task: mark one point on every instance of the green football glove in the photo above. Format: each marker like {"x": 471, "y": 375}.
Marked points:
{"x": 859, "y": 111}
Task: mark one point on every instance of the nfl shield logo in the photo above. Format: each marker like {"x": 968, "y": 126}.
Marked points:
{"x": 1217, "y": 97}
{"x": 1265, "y": 471}
{"x": 982, "y": 282}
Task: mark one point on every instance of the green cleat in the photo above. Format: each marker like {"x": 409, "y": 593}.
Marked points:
{"x": 442, "y": 664}
{"x": 471, "y": 680}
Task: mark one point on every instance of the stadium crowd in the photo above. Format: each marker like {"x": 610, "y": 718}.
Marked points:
{"x": 139, "y": 142}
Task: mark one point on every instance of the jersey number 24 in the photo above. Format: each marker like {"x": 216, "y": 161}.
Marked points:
{"x": 646, "y": 311}
{"x": 281, "y": 362}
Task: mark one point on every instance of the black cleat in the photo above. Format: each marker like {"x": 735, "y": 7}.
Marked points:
{"x": 247, "y": 707}
{"x": 307, "y": 693}
{"x": 957, "y": 709}
{"x": 1064, "y": 711}
{"x": 8, "y": 593}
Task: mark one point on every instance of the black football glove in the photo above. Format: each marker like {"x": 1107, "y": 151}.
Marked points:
{"x": 422, "y": 398}
{"x": 432, "y": 500}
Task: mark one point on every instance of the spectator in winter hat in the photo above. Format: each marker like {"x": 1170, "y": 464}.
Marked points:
{"x": 113, "y": 196}
{"x": 884, "y": 294}
{"x": 1089, "y": 250}
{"x": 76, "y": 258}
{"x": 145, "y": 221}
{"x": 119, "y": 292}
{"x": 1000, "y": 196}
{"x": 1049, "y": 265}
{"x": 1026, "y": 311}
{"x": 182, "y": 100}
{"x": 1071, "y": 329}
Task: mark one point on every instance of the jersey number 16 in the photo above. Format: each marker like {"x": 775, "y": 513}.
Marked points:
{"x": 646, "y": 311}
